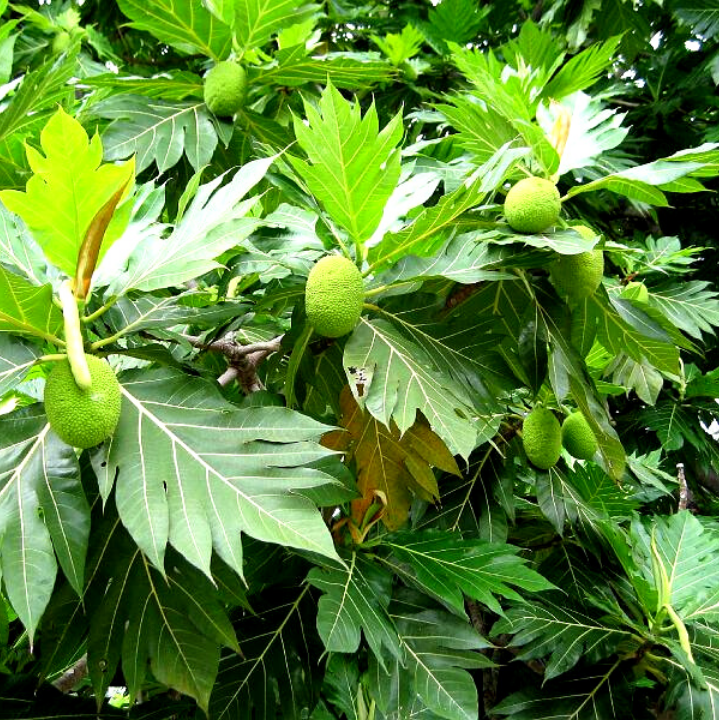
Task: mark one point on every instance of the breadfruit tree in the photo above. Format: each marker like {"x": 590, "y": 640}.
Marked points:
{"x": 358, "y": 360}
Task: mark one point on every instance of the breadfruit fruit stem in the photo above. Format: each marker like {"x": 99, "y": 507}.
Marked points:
{"x": 75, "y": 345}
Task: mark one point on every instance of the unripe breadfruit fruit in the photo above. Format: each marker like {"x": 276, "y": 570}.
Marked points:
{"x": 578, "y": 276}
{"x": 542, "y": 438}
{"x": 577, "y": 437}
{"x": 334, "y": 295}
{"x": 532, "y": 205}
{"x": 83, "y": 418}
{"x": 225, "y": 88}
{"x": 60, "y": 42}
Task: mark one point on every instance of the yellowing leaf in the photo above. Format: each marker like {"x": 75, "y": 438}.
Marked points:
{"x": 392, "y": 466}
{"x": 68, "y": 189}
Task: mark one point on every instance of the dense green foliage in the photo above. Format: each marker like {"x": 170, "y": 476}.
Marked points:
{"x": 293, "y": 520}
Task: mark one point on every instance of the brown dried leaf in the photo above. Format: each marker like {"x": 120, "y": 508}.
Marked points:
{"x": 398, "y": 467}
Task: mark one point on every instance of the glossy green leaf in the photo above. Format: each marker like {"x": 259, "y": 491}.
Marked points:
{"x": 353, "y": 165}
{"x": 38, "y": 97}
{"x": 216, "y": 220}
{"x": 270, "y": 678}
{"x": 195, "y": 472}
{"x": 451, "y": 568}
{"x": 295, "y": 66}
{"x": 43, "y": 512}
{"x": 354, "y": 599}
{"x": 28, "y": 309}
{"x": 185, "y": 24}
{"x": 646, "y": 182}
{"x": 256, "y": 21}
{"x": 401, "y": 379}
{"x": 157, "y": 131}
{"x": 426, "y": 234}
{"x": 67, "y": 190}
{"x": 440, "y": 649}
{"x": 16, "y": 359}
{"x": 563, "y": 635}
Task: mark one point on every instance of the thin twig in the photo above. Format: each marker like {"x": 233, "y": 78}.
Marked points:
{"x": 233, "y": 350}
{"x": 70, "y": 678}
{"x": 230, "y": 375}
{"x": 683, "y": 487}
{"x": 490, "y": 676}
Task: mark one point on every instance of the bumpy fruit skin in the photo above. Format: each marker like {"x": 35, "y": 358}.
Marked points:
{"x": 61, "y": 42}
{"x": 83, "y": 418}
{"x": 542, "y": 438}
{"x": 532, "y": 205}
{"x": 578, "y": 276}
{"x": 225, "y": 88}
{"x": 333, "y": 296}
{"x": 577, "y": 437}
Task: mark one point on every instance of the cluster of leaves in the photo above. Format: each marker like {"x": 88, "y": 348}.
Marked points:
{"x": 350, "y": 528}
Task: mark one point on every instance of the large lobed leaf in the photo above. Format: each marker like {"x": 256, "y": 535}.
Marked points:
{"x": 355, "y": 598}
{"x": 564, "y": 636}
{"x": 19, "y": 251}
{"x": 400, "y": 378}
{"x": 256, "y": 21}
{"x": 692, "y": 306}
{"x": 157, "y": 131}
{"x": 68, "y": 189}
{"x": 397, "y": 468}
{"x": 171, "y": 625}
{"x": 215, "y": 221}
{"x": 686, "y": 549}
{"x": 43, "y": 513}
{"x": 38, "y": 96}
{"x": 197, "y": 473}
{"x": 701, "y": 15}
{"x": 439, "y": 651}
{"x": 427, "y": 233}
{"x": 274, "y": 675}
{"x": 450, "y": 567}
{"x": 295, "y": 66}
{"x": 16, "y": 359}
{"x": 27, "y": 309}
{"x": 648, "y": 183}
{"x": 595, "y": 697}
{"x": 353, "y": 166}
{"x": 185, "y": 24}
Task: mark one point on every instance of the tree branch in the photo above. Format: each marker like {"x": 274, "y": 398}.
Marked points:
{"x": 70, "y": 678}
{"x": 227, "y": 377}
{"x": 683, "y": 487}
{"x": 490, "y": 676}
{"x": 242, "y": 359}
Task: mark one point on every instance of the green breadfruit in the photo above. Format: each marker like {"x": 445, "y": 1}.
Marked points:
{"x": 61, "y": 42}
{"x": 578, "y": 276}
{"x": 577, "y": 437}
{"x": 542, "y": 438}
{"x": 532, "y": 205}
{"x": 83, "y": 418}
{"x": 334, "y": 296}
{"x": 225, "y": 88}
